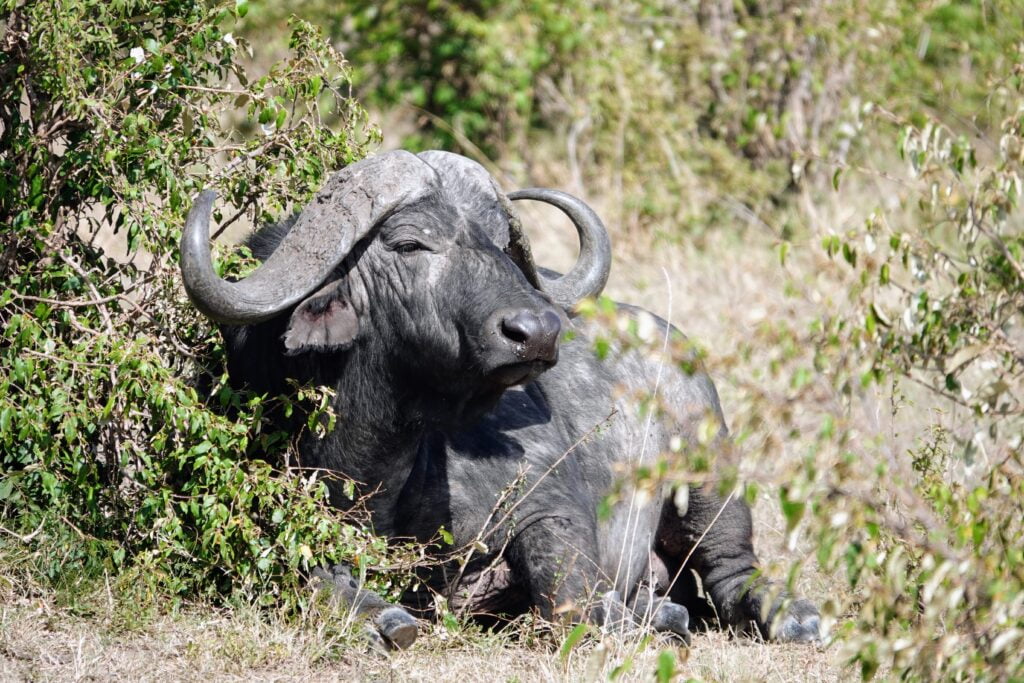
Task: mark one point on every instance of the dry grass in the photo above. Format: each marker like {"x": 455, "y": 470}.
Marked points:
{"x": 41, "y": 642}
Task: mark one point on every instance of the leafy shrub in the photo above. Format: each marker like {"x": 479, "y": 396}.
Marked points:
{"x": 942, "y": 307}
{"x": 945, "y": 55}
{"x": 113, "y": 458}
{"x": 928, "y": 538}
{"x": 719, "y": 101}
{"x": 684, "y": 114}
{"x": 469, "y": 69}
{"x": 889, "y": 430}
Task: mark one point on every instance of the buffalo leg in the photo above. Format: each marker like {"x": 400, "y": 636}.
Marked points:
{"x": 553, "y": 555}
{"x": 394, "y": 624}
{"x": 717, "y": 535}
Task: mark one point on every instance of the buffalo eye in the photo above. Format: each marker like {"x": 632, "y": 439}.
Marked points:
{"x": 409, "y": 246}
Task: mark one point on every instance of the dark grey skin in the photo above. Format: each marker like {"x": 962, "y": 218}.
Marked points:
{"x": 461, "y": 405}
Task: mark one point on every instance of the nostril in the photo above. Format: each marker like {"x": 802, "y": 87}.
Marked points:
{"x": 521, "y": 327}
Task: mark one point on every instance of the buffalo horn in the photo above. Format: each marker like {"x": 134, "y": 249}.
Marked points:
{"x": 352, "y": 202}
{"x": 589, "y": 275}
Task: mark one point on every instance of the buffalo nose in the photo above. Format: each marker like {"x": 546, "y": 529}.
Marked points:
{"x": 536, "y": 334}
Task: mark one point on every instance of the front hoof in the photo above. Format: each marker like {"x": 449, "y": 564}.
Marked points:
{"x": 397, "y": 626}
{"x": 375, "y": 642}
{"x": 672, "y": 618}
{"x": 800, "y": 623}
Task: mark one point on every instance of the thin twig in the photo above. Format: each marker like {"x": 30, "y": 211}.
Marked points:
{"x": 56, "y": 359}
{"x": 88, "y": 283}
{"x": 224, "y": 226}
{"x": 27, "y": 537}
{"x": 76, "y": 303}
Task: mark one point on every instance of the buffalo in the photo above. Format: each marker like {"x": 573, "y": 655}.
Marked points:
{"x": 469, "y": 398}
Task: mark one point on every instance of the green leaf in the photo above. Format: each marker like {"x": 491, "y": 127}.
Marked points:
{"x": 951, "y": 383}
{"x": 849, "y": 254}
{"x": 792, "y": 510}
{"x": 572, "y": 640}
{"x": 666, "y": 670}
{"x": 450, "y": 621}
{"x": 783, "y": 253}
{"x": 6, "y": 487}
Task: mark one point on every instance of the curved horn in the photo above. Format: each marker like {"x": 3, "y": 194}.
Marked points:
{"x": 352, "y": 202}
{"x": 589, "y": 275}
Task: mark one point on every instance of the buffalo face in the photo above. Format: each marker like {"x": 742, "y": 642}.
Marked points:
{"x": 447, "y": 293}
{"x": 437, "y": 302}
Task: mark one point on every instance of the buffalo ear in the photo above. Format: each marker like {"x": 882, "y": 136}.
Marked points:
{"x": 324, "y": 321}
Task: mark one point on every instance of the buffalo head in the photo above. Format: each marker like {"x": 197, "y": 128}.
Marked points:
{"x": 417, "y": 262}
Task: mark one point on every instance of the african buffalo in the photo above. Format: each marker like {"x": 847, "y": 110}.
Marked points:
{"x": 406, "y": 285}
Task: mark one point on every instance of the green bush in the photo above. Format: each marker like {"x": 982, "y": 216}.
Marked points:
{"x": 683, "y": 114}
{"x": 889, "y": 431}
{"x": 945, "y": 56}
{"x": 122, "y": 449}
{"x": 722, "y": 103}
{"x": 469, "y": 69}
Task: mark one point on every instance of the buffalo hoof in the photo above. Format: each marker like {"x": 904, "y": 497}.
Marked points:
{"x": 375, "y": 642}
{"x": 612, "y": 615}
{"x": 389, "y": 626}
{"x": 799, "y": 623}
{"x": 397, "y": 626}
{"x": 672, "y": 618}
